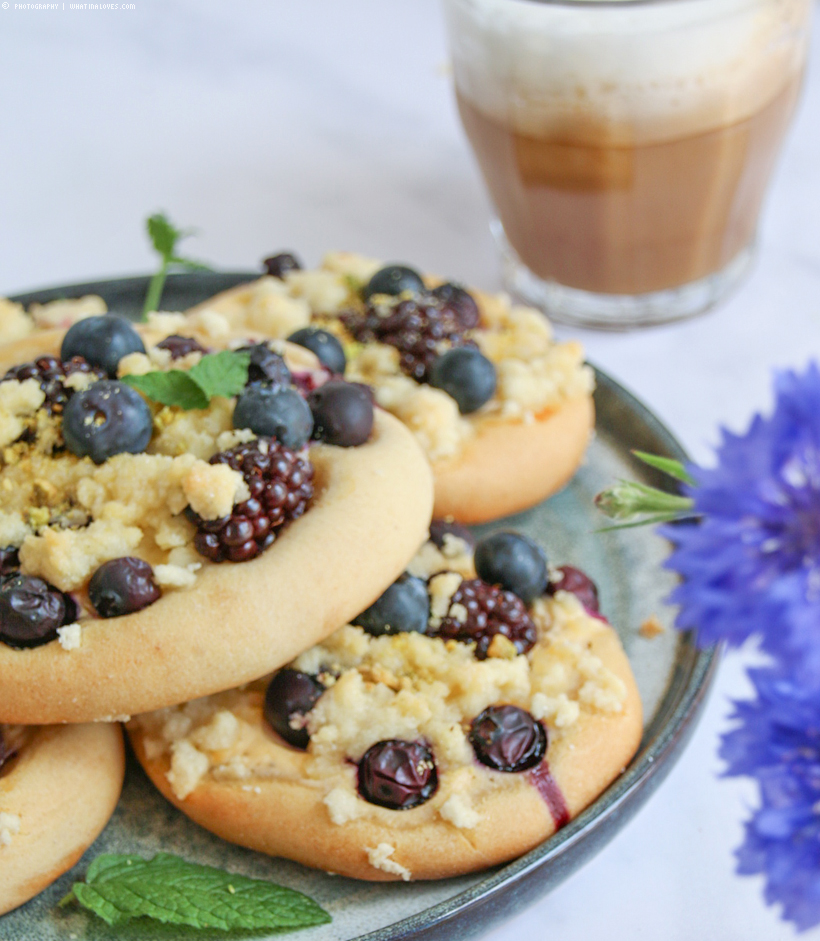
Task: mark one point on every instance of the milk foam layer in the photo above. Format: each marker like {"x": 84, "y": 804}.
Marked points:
{"x": 624, "y": 73}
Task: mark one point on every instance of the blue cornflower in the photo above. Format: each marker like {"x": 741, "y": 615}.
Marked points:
{"x": 751, "y": 565}
{"x": 778, "y": 743}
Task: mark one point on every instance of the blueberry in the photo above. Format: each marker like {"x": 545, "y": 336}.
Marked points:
{"x": 394, "y": 280}
{"x": 327, "y": 348}
{"x": 9, "y": 560}
{"x": 275, "y": 412}
{"x": 397, "y": 774}
{"x": 462, "y": 303}
{"x": 101, "y": 341}
{"x": 466, "y": 375}
{"x": 342, "y": 413}
{"x": 266, "y": 366}
{"x": 514, "y": 562}
{"x": 179, "y": 346}
{"x": 277, "y": 266}
{"x": 580, "y": 584}
{"x": 31, "y": 610}
{"x": 404, "y": 606}
{"x": 441, "y": 528}
{"x": 506, "y": 738}
{"x": 290, "y": 696}
{"x": 106, "y": 419}
{"x": 122, "y": 586}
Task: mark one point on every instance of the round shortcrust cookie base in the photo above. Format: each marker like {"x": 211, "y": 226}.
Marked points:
{"x": 63, "y": 787}
{"x": 510, "y": 466}
{"x": 507, "y": 466}
{"x": 240, "y": 620}
{"x": 288, "y": 817}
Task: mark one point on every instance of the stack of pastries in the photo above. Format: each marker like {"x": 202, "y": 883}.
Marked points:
{"x": 269, "y": 581}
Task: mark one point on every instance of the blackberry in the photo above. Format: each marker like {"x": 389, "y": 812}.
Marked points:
{"x": 419, "y": 329}
{"x": 461, "y": 302}
{"x": 179, "y": 346}
{"x": 280, "y": 484}
{"x": 50, "y": 373}
{"x": 579, "y": 584}
{"x": 277, "y": 266}
{"x": 490, "y": 611}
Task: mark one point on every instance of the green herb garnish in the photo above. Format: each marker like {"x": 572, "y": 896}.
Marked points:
{"x": 174, "y": 891}
{"x": 165, "y": 237}
{"x": 224, "y": 373}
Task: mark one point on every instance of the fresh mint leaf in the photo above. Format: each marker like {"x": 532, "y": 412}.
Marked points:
{"x": 164, "y": 234}
{"x": 165, "y": 237}
{"x": 667, "y": 465}
{"x": 174, "y": 891}
{"x": 174, "y": 387}
{"x": 224, "y": 373}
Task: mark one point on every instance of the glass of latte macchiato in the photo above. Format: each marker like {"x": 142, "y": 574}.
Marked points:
{"x": 626, "y": 144}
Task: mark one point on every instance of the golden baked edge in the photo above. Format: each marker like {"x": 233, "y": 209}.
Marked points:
{"x": 508, "y": 465}
{"x": 289, "y": 819}
{"x": 64, "y": 788}
{"x": 241, "y": 620}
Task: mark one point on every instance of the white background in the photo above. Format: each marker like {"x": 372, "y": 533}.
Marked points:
{"x": 318, "y": 124}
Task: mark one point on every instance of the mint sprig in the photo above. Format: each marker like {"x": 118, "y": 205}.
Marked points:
{"x": 165, "y": 238}
{"x": 224, "y": 373}
{"x": 174, "y": 891}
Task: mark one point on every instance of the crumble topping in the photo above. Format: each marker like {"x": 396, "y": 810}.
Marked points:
{"x": 9, "y": 827}
{"x": 16, "y": 323}
{"x": 380, "y": 857}
{"x": 67, "y": 516}
{"x": 459, "y": 812}
{"x": 401, "y": 686}
{"x": 70, "y": 636}
{"x": 535, "y": 373}
{"x": 76, "y": 515}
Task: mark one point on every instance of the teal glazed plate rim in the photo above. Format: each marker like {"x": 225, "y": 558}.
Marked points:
{"x": 673, "y": 675}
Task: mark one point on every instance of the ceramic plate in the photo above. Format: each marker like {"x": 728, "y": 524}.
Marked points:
{"x": 673, "y": 677}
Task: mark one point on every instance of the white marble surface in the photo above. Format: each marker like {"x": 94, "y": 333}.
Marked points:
{"x": 321, "y": 124}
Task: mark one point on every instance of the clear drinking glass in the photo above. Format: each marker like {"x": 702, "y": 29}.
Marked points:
{"x": 626, "y": 144}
